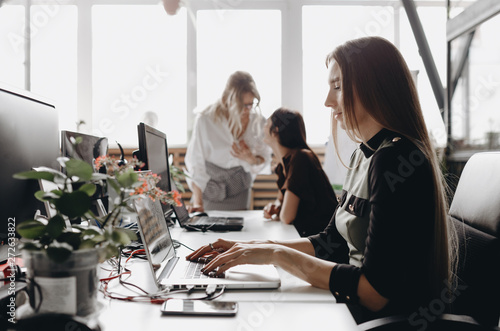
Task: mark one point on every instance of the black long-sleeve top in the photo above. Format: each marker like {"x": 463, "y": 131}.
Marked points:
{"x": 383, "y": 226}
{"x": 303, "y": 175}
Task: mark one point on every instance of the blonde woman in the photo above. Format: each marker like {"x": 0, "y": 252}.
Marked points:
{"x": 386, "y": 250}
{"x": 226, "y": 150}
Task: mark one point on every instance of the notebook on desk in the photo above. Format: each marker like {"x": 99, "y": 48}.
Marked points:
{"x": 205, "y": 223}
{"x": 171, "y": 271}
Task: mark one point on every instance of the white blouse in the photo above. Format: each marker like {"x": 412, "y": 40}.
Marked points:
{"x": 212, "y": 141}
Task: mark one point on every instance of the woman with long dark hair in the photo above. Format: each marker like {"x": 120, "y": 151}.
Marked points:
{"x": 305, "y": 196}
{"x": 387, "y": 249}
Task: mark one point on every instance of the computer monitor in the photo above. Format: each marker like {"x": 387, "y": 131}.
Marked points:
{"x": 153, "y": 151}
{"x": 88, "y": 150}
{"x": 29, "y": 137}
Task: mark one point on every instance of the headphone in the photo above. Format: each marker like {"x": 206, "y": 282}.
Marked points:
{"x": 122, "y": 160}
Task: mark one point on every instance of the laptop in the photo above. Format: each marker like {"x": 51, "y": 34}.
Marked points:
{"x": 204, "y": 223}
{"x": 153, "y": 151}
{"x": 173, "y": 272}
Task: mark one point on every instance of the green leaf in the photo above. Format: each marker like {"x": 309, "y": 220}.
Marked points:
{"x": 96, "y": 176}
{"x": 120, "y": 237}
{"x": 88, "y": 243}
{"x": 55, "y": 226}
{"x": 46, "y": 196}
{"x": 129, "y": 233}
{"x": 71, "y": 238}
{"x": 128, "y": 178}
{"x": 73, "y": 204}
{"x": 31, "y": 229}
{"x": 80, "y": 169}
{"x": 32, "y": 174}
{"x": 88, "y": 188}
{"x": 91, "y": 232}
{"x": 59, "y": 252}
{"x": 110, "y": 251}
{"x": 114, "y": 184}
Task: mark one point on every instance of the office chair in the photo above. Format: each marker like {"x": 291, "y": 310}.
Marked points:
{"x": 445, "y": 322}
{"x": 475, "y": 215}
{"x": 475, "y": 212}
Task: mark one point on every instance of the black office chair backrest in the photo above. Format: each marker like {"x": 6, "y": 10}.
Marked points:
{"x": 475, "y": 213}
{"x": 445, "y": 322}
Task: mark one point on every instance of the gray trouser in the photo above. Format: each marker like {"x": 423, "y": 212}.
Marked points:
{"x": 227, "y": 189}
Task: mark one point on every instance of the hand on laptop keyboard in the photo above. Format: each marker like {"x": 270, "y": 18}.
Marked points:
{"x": 212, "y": 274}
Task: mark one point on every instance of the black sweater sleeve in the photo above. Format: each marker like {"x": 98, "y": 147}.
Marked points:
{"x": 330, "y": 245}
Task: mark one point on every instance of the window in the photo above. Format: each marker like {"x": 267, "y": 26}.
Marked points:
{"x": 433, "y": 19}
{"x": 53, "y": 58}
{"x": 231, "y": 40}
{"x": 475, "y": 115}
{"x": 12, "y": 45}
{"x": 139, "y": 72}
{"x": 324, "y": 27}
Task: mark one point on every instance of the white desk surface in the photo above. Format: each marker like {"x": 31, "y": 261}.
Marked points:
{"x": 259, "y": 309}
{"x": 259, "y": 315}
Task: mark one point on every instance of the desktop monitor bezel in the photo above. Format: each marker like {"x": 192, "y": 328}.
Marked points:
{"x": 30, "y": 138}
{"x": 143, "y": 130}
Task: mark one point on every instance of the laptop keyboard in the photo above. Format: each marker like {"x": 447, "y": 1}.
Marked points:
{"x": 193, "y": 271}
{"x": 211, "y": 220}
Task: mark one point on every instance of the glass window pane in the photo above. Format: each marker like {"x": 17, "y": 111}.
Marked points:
{"x": 53, "y": 58}
{"x": 12, "y": 45}
{"x": 139, "y": 71}
{"x": 475, "y": 115}
{"x": 325, "y": 27}
{"x": 434, "y": 24}
{"x": 231, "y": 40}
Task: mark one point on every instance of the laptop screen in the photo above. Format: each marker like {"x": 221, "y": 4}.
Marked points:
{"x": 180, "y": 211}
{"x": 154, "y": 233}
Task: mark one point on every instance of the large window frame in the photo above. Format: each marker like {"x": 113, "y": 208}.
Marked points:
{"x": 291, "y": 71}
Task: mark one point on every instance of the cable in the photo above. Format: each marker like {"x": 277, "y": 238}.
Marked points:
{"x": 178, "y": 243}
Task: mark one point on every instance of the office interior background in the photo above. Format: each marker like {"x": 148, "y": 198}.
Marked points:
{"x": 110, "y": 64}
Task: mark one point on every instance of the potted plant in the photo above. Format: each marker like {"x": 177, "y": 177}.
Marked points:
{"x": 62, "y": 259}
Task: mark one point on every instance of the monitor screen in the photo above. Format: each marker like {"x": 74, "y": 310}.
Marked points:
{"x": 153, "y": 152}
{"x": 90, "y": 148}
{"x": 29, "y": 136}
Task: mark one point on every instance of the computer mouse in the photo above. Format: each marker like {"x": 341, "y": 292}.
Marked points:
{"x": 199, "y": 213}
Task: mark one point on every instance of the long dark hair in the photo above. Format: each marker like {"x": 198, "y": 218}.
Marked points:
{"x": 374, "y": 70}
{"x": 289, "y": 125}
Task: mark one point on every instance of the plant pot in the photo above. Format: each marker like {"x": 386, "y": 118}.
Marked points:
{"x": 70, "y": 287}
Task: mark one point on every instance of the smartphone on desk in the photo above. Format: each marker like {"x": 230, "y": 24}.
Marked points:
{"x": 199, "y": 307}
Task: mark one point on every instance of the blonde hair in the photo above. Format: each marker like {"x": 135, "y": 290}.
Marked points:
{"x": 230, "y": 105}
{"x": 374, "y": 71}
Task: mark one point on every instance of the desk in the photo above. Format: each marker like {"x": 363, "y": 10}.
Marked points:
{"x": 258, "y": 309}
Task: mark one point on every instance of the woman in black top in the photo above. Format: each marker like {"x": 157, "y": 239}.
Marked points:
{"x": 305, "y": 197}
{"x": 386, "y": 250}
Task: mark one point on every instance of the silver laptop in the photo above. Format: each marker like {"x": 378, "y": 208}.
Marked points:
{"x": 171, "y": 271}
